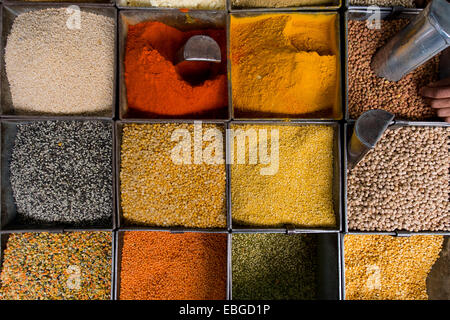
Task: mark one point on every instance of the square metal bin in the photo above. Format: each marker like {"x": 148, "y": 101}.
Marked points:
{"x": 109, "y": 3}
{"x": 10, "y": 12}
{"x": 363, "y": 14}
{"x": 121, "y": 223}
{"x": 337, "y": 183}
{"x": 118, "y": 260}
{"x": 329, "y": 266}
{"x": 4, "y": 239}
{"x": 122, "y": 4}
{"x": 437, "y": 280}
{"x": 8, "y": 207}
{"x": 348, "y": 129}
{"x": 184, "y": 21}
{"x": 332, "y": 5}
{"x": 336, "y": 114}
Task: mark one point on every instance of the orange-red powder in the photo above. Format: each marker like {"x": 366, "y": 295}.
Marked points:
{"x": 165, "y": 266}
{"x": 156, "y": 86}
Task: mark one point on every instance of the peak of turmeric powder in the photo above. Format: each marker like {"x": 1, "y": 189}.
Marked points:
{"x": 285, "y": 65}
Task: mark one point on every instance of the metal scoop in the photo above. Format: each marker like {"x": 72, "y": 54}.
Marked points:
{"x": 199, "y": 48}
{"x": 368, "y": 129}
{"x": 423, "y": 38}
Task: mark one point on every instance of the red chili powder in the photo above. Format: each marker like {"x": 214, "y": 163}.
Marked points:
{"x": 156, "y": 86}
{"x": 165, "y": 266}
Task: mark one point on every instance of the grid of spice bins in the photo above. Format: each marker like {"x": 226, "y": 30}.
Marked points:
{"x": 331, "y": 241}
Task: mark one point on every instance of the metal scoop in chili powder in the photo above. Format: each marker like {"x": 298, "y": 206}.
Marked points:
{"x": 193, "y": 60}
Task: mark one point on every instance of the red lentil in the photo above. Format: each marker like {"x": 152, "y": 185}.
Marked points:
{"x": 164, "y": 266}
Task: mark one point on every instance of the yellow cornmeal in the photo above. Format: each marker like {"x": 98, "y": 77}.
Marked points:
{"x": 300, "y": 193}
{"x": 380, "y": 267}
{"x": 284, "y": 64}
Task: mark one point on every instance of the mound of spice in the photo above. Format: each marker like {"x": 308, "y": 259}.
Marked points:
{"x": 380, "y": 267}
{"x": 277, "y": 3}
{"x": 403, "y": 183}
{"x": 366, "y": 91}
{"x": 284, "y": 65}
{"x": 156, "y": 86}
{"x": 191, "y": 4}
{"x": 156, "y": 190}
{"x": 47, "y": 266}
{"x": 165, "y": 266}
{"x": 61, "y": 172}
{"x": 54, "y": 69}
{"x": 274, "y": 266}
{"x": 299, "y": 192}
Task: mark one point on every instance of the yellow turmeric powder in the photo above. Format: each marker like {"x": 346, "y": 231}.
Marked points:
{"x": 285, "y": 65}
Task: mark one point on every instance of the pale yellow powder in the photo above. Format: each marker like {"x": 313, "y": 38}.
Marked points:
{"x": 300, "y": 193}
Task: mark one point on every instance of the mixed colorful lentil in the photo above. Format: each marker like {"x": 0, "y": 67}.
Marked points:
{"x": 164, "y": 266}
{"x": 299, "y": 193}
{"x": 46, "y": 266}
{"x": 274, "y": 266}
{"x": 155, "y": 190}
{"x": 380, "y": 267}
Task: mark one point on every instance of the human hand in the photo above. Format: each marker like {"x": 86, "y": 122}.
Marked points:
{"x": 439, "y": 95}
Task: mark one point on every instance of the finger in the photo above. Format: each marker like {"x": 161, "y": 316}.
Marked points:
{"x": 443, "y": 113}
{"x": 447, "y": 119}
{"x": 436, "y": 93}
{"x": 440, "y": 103}
{"x": 440, "y": 83}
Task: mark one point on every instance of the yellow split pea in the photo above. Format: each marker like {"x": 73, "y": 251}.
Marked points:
{"x": 158, "y": 191}
{"x": 381, "y": 267}
{"x": 300, "y": 192}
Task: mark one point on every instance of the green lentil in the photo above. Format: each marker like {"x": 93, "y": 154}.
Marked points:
{"x": 46, "y": 266}
{"x": 274, "y": 266}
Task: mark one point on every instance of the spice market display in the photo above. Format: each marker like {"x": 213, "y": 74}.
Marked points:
{"x": 215, "y": 150}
